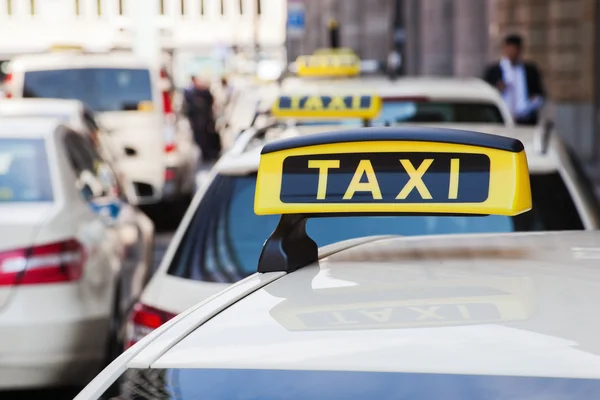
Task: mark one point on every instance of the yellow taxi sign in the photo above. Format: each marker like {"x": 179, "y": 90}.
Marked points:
{"x": 330, "y": 50}
{"x": 394, "y": 171}
{"x": 145, "y": 106}
{"x": 324, "y": 65}
{"x": 357, "y": 106}
{"x": 66, "y": 47}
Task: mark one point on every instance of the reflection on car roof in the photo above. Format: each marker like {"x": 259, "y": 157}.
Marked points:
{"x": 497, "y": 303}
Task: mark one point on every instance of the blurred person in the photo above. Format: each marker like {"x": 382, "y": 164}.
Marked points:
{"x": 520, "y": 82}
{"x": 394, "y": 62}
{"x": 199, "y": 103}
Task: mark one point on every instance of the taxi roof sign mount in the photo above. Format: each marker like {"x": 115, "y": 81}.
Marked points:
{"x": 383, "y": 171}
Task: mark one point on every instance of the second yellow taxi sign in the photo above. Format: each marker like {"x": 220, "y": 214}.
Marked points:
{"x": 324, "y": 65}
{"x": 357, "y": 106}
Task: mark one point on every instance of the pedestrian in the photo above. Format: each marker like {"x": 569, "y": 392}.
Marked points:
{"x": 519, "y": 82}
{"x": 393, "y": 64}
{"x": 199, "y": 104}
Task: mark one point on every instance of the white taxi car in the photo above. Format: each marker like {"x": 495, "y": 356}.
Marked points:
{"x": 128, "y": 99}
{"x": 407, "y": 99}
{"x": 65, "y": 279}
{"x": 219, "y": 239}
{"x": 422, "y": 99}
{"x": 75, "y": 114}
{"x": 495, "y": 316}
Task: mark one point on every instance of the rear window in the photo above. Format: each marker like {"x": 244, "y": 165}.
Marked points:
{"x": 101, "y": 89}
{"x": 24, "y": 175}
{"x": 224, "y": 239}
{"x": 394, "y": 112}
{"x": 221, "y": 384}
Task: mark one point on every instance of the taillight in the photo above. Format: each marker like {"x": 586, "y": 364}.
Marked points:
{"x": 143, "y": 320}
{"x": 49, "y": 263}
{"x": 167, "y": 106}
{"x": 7, "y": 81}
{"x": 166, "y": 96}
{"x": 170, "y": 147}
{"x": 170, "y": 174}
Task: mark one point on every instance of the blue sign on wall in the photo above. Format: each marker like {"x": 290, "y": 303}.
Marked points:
{"x": 296, "y": 18}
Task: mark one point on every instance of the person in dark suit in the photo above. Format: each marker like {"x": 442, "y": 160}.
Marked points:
{"x": 519, "y": 82}
{"x": 199, "y": 103}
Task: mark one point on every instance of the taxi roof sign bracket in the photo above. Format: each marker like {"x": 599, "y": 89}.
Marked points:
{"x": 289, "y": 247}
{"x": 383, "y": 171}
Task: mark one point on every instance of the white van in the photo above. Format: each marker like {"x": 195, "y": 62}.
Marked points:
{"x": 126, "y": 95}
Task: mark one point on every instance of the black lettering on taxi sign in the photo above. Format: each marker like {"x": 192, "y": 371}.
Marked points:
{"x": 386, "y": 177}
{"x": 324, "y": 102}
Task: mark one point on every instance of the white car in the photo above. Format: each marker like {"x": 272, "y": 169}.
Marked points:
{"x": 65, "y": 277}
{"x": 497, "y": 315}
{"x": 129, "y": 99}
{"x": 219, "y": 239}
{"x": 416, "y": 100}
{"x": 81, "y": 120}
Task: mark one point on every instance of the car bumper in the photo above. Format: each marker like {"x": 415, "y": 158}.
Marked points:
{"x": 43, "y": 343}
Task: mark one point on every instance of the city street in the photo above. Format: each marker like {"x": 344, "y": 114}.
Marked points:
{"x": 396, "y": 199}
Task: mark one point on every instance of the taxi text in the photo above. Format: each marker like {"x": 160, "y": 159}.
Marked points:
{"x": 386, "y": 177}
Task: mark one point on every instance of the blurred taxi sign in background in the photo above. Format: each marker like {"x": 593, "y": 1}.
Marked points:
{"x": 328, "y": 65}
{"x": 145, "y": 106}
{"x": 329, "y": 51}
{"x": 394, "y": 171}
{"x": 317, "y": 106}
{"x": 66, "y": 47}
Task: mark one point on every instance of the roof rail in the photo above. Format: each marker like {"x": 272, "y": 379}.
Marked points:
{"x": 543, "y": 135}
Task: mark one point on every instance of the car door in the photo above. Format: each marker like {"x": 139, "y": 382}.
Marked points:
{"x": 123, "y": 219}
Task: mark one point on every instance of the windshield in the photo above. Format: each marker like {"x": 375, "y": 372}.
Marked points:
{"x": 24, "y": 175}
{"x": 394, "y": 112}
{"x": 224, "y": 239}
{"x": 101, "y": 89}
{"x": 221, "y": 384}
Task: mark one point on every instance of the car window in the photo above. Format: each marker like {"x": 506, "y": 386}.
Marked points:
{"x": 584, "y": 183}
{"x": 24, "y": 171}
{"x": 394, "y": 112}
{"x": 221, "y": 384}
{"x": 224, "y": 239}
{"x": 101, "y": 89}
{"x": 86, "y": 163}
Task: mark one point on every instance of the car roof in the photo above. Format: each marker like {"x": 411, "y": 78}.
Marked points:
{"x": 28, "y": 127}
{"x": 515, "y": 304}
{"x": 60, "y": 60}
{"x": 31, "y": 106}
{"x": 428, "y": 86}
{"x": 247, "y": 162}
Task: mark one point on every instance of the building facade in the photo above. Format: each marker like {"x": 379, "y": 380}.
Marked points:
{"x": 33, "y": 25}
{"x": 459, "y": 37}
{"x": 368, "y": 30}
